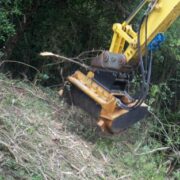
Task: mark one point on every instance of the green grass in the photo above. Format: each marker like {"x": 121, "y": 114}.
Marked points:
{"x": 41, "y": 137}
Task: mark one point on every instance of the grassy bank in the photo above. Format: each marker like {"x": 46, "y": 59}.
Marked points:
{"x": 41, "y": 137}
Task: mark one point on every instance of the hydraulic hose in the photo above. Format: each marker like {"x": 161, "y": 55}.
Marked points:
{"x": 145, "y": 80}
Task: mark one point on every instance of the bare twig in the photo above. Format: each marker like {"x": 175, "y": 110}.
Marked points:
{"x": 72, "y": 165}
{"x": 139, "y": 145}
{"x": 18, "y": 62}
{"x": 64, "y": 58}
{"x": 9, "y": 149}
{"x": 125, "y": 176}
{"x": 77, "y": 58}
{"x": 153, "y": 151}
{"x": 175, "y": 149}
{"x": 88, "y": 52}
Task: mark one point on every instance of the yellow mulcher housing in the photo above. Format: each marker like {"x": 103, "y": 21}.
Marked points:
{"x": 113, "y": 107}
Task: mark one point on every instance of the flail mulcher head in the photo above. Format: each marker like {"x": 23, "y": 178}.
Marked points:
{"x": 102, "y": 94}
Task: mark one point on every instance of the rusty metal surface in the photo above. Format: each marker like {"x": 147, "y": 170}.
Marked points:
{"x": 107, "y": 60}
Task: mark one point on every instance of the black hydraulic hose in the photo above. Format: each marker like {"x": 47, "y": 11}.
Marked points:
{"x": 143, "y": 88}
{"x": 121, "y": 104}
{"x": 148, "y": 79}
{"x": 150, "y": 68}
{"x": 145, "y": 81}
{"x": 146, "y": 76}
{"x": 146, "y": 44}
{"x": 134, "y": 13}
{"x": 145, "y": 85}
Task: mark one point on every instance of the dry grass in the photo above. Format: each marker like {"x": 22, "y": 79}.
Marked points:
{"x": 36, "y": 141}
{"x": 43, "y": 138}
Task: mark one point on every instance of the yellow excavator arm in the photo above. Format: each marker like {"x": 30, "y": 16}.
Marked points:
{"x": 162, "y": 13}
{"x": 102, "y": 92}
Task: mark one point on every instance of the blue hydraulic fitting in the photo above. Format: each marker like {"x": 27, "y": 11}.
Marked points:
{"x": 156, "y": 42}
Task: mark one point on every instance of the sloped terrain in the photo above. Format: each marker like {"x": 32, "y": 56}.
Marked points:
{"x": 41, "y": 137}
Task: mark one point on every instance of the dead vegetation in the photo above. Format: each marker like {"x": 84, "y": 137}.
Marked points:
{"x": 43, "y": 138}
{"x": 35, "y": 140}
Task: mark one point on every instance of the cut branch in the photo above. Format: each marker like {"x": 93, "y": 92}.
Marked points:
{"x": 65, "y": 59}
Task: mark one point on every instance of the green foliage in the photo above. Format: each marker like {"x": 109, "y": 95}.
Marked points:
{"x": 6, "y": 28}
{"x": 125, "y": 159}
{"x": 9, "y": 10}
{"x": 71, "y": 26}
{"x": 68, "y": 28}
{"x": 37, "y": 177}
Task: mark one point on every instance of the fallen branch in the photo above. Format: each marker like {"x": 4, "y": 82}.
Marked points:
{"x": 64, "y": 58}
{"x": 9, "y": 149}
{"x": 153, "y": 151}
{"x": 125, "y": 176}
{"x": 18, "y": 62}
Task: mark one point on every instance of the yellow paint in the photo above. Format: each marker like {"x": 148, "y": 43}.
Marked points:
{"x": 160, "y": 18}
